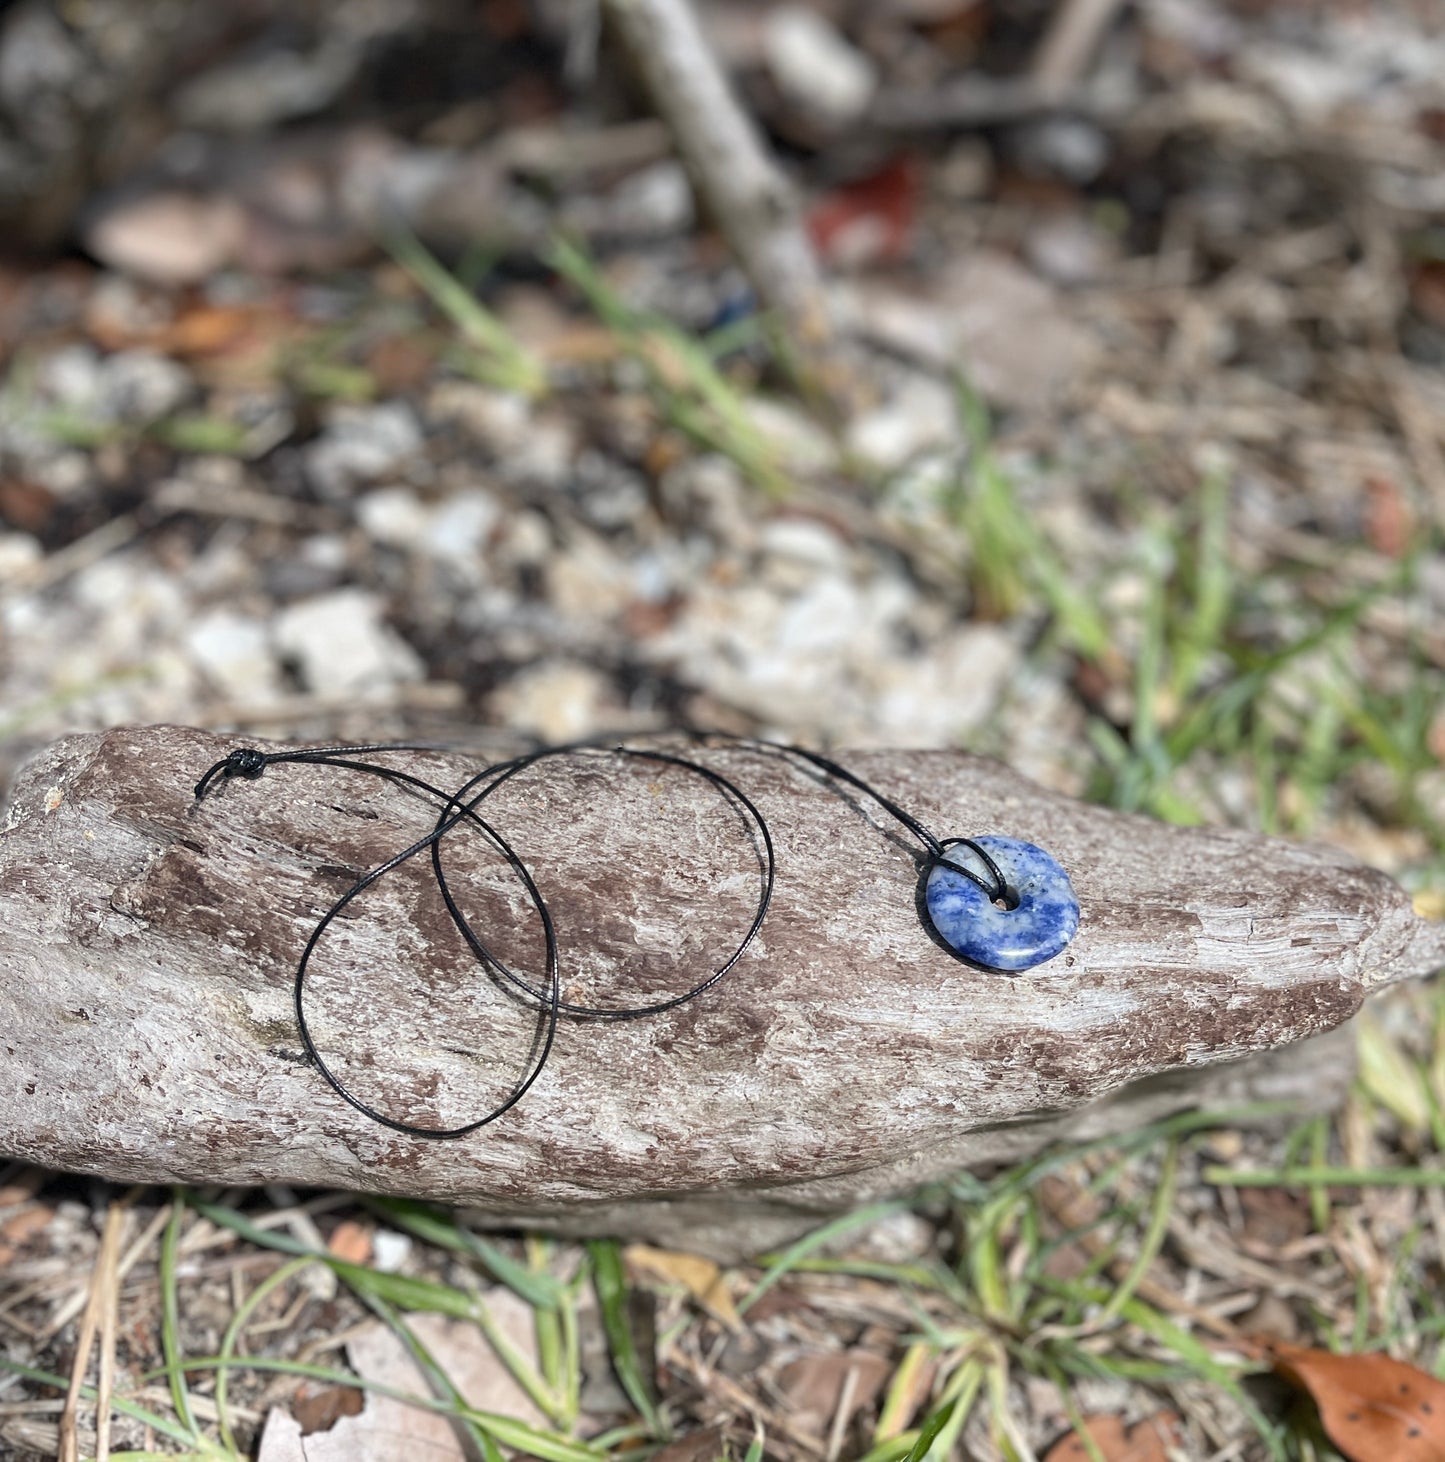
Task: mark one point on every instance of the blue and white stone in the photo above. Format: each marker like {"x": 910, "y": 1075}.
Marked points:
{"x": 1045, "y": 920}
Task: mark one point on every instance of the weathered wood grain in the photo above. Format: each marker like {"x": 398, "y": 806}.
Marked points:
{"x": 148, "y": 944}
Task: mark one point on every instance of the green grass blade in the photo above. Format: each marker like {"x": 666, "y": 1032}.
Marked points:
{"x": 1153, "y": 1239}
{"x": 939, "y": 1434}
{"x": 901, "y": 1394}
{"x": 1332, "y": 1177}
{"x": 170, "y": 1316}
{"x": 163, "y": 1424}
{"x": 611, "y": 1286}
{"x": 1183, "y": 1344}
{"x": 544, "y": 1397}
{"x": 1203, "y": 632}
{"x": 432, "y": 1371}
{"x": 892, "y": 1450}
{"x": 504, "y": 1429}
{"x": 163, "y": 1456}
{"x": 506, "y": 362}
{"x": 783, "y": 1263}
{"x": 397, "y": 1289}
{"x": 540, "y": 1289}
{"x": 694, "y": 395}
{"x": 244, "y": 1311}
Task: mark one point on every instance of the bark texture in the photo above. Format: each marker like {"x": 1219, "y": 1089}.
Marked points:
{"x": 148, "y": 945}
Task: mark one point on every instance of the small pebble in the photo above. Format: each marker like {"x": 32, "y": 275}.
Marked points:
{"x": 390, "y": 1250}
{"x": 339, "y": 643}
{"x": 362, "y": 444}
{"x": 815, "y": 65}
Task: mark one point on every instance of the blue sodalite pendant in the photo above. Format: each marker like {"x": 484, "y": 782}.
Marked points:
{"x": 1044, "y": 920}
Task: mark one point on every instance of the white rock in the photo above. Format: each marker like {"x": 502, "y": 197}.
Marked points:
{"x": 897, "y": 1239}
{"x": 362, "y": 443}
{"x": 587, "y": 582}
{"x": 557, "y": 700}
{"x": 234, "y": 652}
{"x": 1204, "y": 28}
{"x": 1313, "y": 86}
{"x": 815, "y": 66}
{"x": 1068, "y": 147}
{"x": 497, "y": 420}
{"x": 1069, "y": 249}
{"x": 546, "y": 452}
{"x": 905, "y": 324}
{"x": 934, "y": 699}
{"x": 390, "y": 1250}
{"x": 65, "y": 473}
{"x": 327, "y": 552}
{"x": 823, "y": 620}
{"x": 526, "y": 540}
{"x": 394, "y": 516}
{"x": 340, "y": 644}
{"x": 922, "y": 414}
{"x": 805, "y": 541}
{"x": 670, "y": 567}
{"x": 112, "y": 587}
{"x": 130, "y": 614}
{"x": 142, "y": 386}
{"x": 652, "y": 201}
{"x": 460, "y": 526}
{"x": 791, "y": 658}
{"x": 263, "y": 89}
{"x": 72, "y": 377}
{"x": 799, "y": 441}
{"x": 710, "y": 491}
{"x": 18, "y": 551}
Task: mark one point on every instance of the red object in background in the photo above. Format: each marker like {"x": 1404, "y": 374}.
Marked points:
{"x": 1389, "y": 521}
{"x": 870, "y": 221}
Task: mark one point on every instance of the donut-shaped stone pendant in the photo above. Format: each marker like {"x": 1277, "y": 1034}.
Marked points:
{"x": 1043, "y": 919}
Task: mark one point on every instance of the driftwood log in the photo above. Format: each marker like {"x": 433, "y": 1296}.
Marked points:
{"x": 148, "y": 944}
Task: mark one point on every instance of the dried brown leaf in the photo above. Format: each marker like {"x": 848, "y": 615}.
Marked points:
{"x": 1146, "y": 1441}
{"x": 317, "y": 1408}
{"x": 702, "y": 1279}
{"x": 699, "y": 1446}
{"x": 815, "y": 1386}
{"x": 1372, "y": 1406}
{"x": 17, "y": 1231}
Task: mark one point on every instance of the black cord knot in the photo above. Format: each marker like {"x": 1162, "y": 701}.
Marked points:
{"x": 245, "y": 761}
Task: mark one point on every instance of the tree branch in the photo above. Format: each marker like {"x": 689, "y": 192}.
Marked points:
{"x": 742, "y": 188}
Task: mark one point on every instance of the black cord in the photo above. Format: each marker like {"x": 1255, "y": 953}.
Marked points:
{"x": 248, "y": 763}
{"x": 509, "y": 770}
{"x": 461, "y": 806}
{"x": 996, "y": 888}
{"x": 456, "y": 807}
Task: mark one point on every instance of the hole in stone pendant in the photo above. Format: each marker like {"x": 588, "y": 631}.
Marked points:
{"x": 1010, "y": 900}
